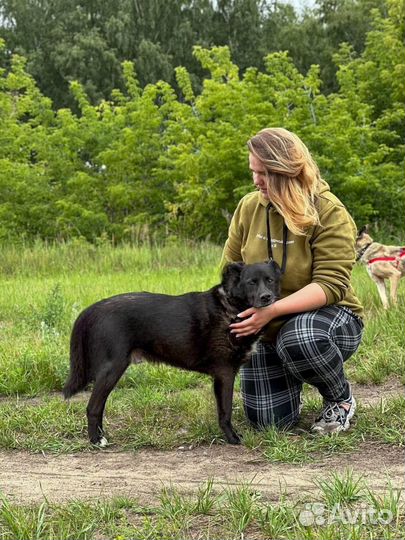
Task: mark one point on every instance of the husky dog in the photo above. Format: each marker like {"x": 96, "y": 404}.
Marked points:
{"x": 383, "y": 262}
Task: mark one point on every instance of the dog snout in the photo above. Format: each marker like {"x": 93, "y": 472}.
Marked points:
{"x": 266, "y": 298}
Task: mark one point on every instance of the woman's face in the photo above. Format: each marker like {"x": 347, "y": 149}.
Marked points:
{"x": 259, "y": 175}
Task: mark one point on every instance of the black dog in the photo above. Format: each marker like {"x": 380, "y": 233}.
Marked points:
{"x": 190, "y": 331}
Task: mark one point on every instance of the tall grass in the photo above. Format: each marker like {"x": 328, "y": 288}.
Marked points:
{"x": 45, "y": 286}
{"x": 78, "y": 256}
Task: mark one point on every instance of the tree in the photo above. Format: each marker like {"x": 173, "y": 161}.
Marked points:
{"x": 152, "y": 160}
{"x": 376, "y": 78}
{"x": 87, "y": 41}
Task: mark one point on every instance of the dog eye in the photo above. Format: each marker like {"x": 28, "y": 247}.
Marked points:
{"x": 253, "y": 281}
{"x": 270, "y": 280}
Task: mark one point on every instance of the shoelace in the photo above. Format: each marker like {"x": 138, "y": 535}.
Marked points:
{"x": 333, "y": 412}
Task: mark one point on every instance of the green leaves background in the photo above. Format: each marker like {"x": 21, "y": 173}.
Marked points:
{"x": 166, "y": 160}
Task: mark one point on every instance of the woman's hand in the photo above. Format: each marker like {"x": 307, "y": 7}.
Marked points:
{"x": 255, "y": 319}
{"x": 308, "y": 298}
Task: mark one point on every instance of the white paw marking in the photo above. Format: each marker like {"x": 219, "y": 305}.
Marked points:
{"x": 103, "y": 442}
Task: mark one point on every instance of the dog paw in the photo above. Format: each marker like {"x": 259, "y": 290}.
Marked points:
{"x": 103, "y": 442}
{"x": 233, "y": 438}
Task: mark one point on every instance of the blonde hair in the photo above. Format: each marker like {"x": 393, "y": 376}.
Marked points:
{"x": 293, "y": 177}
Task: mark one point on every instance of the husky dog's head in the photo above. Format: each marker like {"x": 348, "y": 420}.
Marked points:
{"x": 363, "y": 240}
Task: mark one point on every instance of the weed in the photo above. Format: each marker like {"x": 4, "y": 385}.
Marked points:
{"x": 240, "y": 505}
{"x": 276, "y": 521}
{"x": 175, "y": 507}
{"x": 205, "y": 498}
{"x": 341, "y": 488}
{"x": 54, "y": 308}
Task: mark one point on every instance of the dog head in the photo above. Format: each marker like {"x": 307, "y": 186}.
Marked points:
{"x": 252, "y": 285}
{"x": 363, "y": 240}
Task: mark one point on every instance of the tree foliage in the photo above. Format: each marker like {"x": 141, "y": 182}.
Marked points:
{"x": 172, "y": 160}
{"x": 87, "y": 41}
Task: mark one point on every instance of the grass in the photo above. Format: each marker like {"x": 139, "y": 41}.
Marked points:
{"x": 37, "y": 310}
{"x": 341, "y": 489}
{"x": 346, "y": 508}
{"x": 57, "y": 259}
{"x": 166, "y": 407}
{"x": 166, "y": 418}
{"x": 42, "y": 290}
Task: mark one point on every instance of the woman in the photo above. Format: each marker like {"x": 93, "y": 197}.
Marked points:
{"x": 316, "y": 325}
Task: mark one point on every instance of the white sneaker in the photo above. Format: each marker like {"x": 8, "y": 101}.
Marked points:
{"x": 335, "y": 416}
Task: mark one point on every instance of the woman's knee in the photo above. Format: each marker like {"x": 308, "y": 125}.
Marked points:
{"x": 301, "y": 342}
{"x": 279, "y": 420}
{"x": 325, "y": 333}
{"x": 270, "y": 394}
{"x": 280, "y": 410}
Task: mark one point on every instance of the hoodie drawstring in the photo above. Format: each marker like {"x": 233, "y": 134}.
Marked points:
{"x": 285, "y": 235}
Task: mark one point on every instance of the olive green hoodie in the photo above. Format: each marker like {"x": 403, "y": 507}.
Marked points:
{"x": 325, "y": 255}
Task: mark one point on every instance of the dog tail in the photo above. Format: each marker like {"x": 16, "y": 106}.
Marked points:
{"x": 79, "y": 366}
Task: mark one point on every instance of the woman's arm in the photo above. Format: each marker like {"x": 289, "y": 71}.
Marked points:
{"x": 308, "y": 298}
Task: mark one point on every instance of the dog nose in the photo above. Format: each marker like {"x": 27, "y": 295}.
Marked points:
{"x": 265, "y": 298}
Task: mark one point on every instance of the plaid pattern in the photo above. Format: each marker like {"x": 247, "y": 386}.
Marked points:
{"x": 311, "y": 347}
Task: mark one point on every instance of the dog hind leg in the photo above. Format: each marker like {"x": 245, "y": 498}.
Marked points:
{"x": 223, "y": 388}
{"x": 105, "y": 381}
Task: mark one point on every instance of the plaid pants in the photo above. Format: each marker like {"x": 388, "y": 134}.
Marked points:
{"x": 311, "y": 347}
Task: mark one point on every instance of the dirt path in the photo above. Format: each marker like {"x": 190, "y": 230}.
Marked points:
{"x": 371, "y": 394}
{"x": 30, "y": 478}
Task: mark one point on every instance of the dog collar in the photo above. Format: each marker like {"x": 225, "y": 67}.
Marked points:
{"x": 363, "y": 250}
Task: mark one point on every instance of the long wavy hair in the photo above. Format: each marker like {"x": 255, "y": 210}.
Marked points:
{"x": 293, "y": 177}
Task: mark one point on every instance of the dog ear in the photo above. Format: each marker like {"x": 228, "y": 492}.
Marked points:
{"x": 275, "y": 267}
{"x": 231, "y": 274}
{"x": 363, "y": 230}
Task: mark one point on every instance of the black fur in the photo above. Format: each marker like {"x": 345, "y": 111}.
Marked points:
{"x": 190, "y": 331}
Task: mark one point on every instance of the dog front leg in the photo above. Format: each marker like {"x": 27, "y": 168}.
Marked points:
{"x": 394, "y": 279}
{"x": 382, "y": 291}
{"x": 223, "y": 388}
